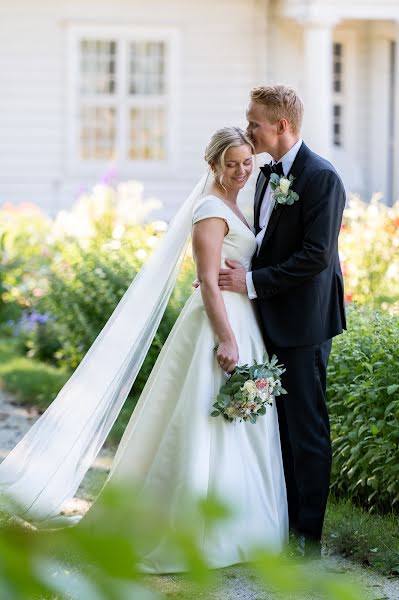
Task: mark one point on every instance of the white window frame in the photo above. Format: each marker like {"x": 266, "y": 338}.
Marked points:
{"x": 125, "y": 167}
{"x": 348, "y": 97}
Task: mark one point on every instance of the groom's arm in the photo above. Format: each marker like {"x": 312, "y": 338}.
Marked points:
{"x": 324, "y": 199}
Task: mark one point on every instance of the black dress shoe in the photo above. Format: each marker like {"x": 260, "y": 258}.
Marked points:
{"x": 302, "y": 547}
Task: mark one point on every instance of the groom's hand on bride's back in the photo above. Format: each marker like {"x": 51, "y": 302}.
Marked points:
{"x": 232, "y": 279}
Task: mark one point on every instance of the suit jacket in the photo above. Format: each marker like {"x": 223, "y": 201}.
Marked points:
{"x": 297, "y": 274}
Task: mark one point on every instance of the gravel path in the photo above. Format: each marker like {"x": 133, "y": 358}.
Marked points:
{"x": 233, "y": 583}
{"x": 241, "y": 583}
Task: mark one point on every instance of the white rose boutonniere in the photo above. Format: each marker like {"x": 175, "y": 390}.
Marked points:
{"x": 281, "y": 190}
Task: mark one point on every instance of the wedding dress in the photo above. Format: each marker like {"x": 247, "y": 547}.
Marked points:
{"x": 173, "y": 446}
{"x": 172, "y": 449}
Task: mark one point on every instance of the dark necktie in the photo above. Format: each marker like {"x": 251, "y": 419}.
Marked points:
{"x": 268, "y": 169}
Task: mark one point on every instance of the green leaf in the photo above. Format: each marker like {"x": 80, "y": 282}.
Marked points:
{"x": 391, "y": 389}
{"x": 235, "y": 387}
{"x": 274, "y": 178}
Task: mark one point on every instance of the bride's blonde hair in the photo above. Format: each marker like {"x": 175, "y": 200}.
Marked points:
{"x": 220, "y": 142}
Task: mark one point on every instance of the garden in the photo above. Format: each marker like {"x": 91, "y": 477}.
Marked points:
{"x": 61, "y": 278}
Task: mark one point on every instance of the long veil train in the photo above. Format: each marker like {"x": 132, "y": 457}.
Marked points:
{"x": 47, "y": 466}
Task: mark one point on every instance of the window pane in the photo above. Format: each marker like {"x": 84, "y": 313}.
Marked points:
{"x": 97, "y": 133}
{"x": 147, "y": 68}
{"x": 147, "y": 134}
{"x": 337, "y": 124}
{"x": 337, "y": 49}
{"x": 337, "y": 68}
{"x": 98, "y": 66}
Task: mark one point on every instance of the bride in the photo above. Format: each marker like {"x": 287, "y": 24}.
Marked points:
{"x": 172, "y": 449}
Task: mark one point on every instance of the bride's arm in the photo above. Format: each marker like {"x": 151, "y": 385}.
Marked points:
{"x": 207, "y": 240}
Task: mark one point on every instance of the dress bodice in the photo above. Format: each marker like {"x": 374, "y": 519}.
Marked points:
{"x": 239, "y": 243}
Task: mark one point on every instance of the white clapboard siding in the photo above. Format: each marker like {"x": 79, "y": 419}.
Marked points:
{"x": 224, "y": 48}
{"x": 363, "y": 158}
{"x": 218, "y": 62}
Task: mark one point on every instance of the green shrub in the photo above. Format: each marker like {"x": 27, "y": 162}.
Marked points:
{"x": 83, "y": 290}
{"x": 363, "y": 398}
{"x": 60, "y": 280}
{"x": 25, "y": 256}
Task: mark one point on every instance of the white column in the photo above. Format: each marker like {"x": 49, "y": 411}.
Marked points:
{"x": 396, "y": 117}
{"x": 379, "y": 118}
{"x": 317, "y": 86}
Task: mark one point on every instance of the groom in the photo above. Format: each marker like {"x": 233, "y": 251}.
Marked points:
{"x": 297, "y": 284}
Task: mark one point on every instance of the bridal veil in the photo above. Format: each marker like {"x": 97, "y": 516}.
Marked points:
{"x": 47, "y": 466}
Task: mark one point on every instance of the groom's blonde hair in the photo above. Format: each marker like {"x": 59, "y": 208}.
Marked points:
{"x": 281, "y": 102}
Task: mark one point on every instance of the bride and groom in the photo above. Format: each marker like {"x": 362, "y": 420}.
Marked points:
{"x": 277, "y": 287}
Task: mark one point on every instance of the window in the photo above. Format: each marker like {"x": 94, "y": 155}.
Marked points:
{"x": 337, "y": 124}
{"x": 338, "y": 93}
{"x": 122, "y": 96}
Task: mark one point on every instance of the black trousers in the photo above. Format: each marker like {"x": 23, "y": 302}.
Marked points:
{"x": 305, "y": 435}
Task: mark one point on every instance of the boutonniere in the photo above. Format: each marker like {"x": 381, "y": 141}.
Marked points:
{"x": 281, "y": 190}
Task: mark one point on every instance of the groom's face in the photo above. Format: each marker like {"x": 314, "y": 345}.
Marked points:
{"x": 262, "y": 133}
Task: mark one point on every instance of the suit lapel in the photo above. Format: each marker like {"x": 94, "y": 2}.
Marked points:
{"x": 297, "y": 167}
{"x": 261, "y": 185}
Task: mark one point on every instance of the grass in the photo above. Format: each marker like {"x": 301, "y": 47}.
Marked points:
{"x": 32, "y": 382}
{"x": 369, "y": 539}
{"x": 36, "y": 383}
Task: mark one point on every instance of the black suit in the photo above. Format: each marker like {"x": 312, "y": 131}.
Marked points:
{"x": 299, "y": 285}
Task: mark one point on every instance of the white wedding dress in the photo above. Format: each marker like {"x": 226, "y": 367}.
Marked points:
{"x": 172, "y": 448}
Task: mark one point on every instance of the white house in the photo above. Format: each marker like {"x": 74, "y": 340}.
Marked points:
{"x": 138, "y": 86}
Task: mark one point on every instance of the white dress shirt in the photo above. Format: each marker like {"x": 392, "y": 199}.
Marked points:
{"x": 267, "y": 206}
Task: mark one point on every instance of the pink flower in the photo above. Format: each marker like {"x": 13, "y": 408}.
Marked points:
{"x": 261, "y": 384}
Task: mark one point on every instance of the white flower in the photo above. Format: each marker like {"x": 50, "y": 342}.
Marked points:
{"x": 118, "y": 232}
{"x": 230, "y": 411}
{"x": 112, "y": 245}
{"x": 250, "y": 387}
{"x": 159, "y": 225}
{"x": 284, "y": 185}
{"x": 141, "y": 254}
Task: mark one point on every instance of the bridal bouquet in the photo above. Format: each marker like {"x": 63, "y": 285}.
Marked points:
{"x": 249, "y": 390}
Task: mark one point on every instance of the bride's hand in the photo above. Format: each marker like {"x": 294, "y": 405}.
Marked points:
{"x": 227, "y": 355}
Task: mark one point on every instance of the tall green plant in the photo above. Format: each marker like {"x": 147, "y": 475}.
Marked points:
{"x": 363, "y": 399}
